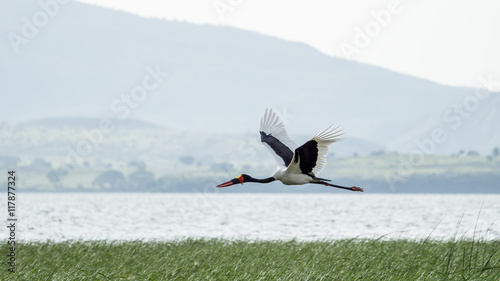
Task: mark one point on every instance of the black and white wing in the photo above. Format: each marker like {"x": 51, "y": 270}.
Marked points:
{"x": 274, "y": 136}
{"x": 310, "y": 158}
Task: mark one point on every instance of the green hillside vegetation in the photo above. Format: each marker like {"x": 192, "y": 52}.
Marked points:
{"x": 57, "y": 155}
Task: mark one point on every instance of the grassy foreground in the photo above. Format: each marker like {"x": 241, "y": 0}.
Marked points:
{"x": 261, "y": 260}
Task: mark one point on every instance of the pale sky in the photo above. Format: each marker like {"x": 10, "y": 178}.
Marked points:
{"x": 453, "y": 42}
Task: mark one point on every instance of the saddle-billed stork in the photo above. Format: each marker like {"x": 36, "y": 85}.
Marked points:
{"x": 296, "y": 165}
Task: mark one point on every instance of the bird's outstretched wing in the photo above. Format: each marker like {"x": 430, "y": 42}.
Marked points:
{"x": 310, "y": 158}
{"x": 273, "y": 135}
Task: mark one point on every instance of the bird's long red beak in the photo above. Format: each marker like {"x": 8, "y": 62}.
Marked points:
{"x": 231, "y": 182}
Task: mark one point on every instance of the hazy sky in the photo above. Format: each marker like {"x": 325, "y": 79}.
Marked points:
{"x": 449, "y": 41}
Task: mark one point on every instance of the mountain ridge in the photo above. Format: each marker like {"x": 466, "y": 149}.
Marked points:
{"x": 220, "y": 78}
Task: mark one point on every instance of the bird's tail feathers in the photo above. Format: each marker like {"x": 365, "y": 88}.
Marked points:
{"x": 321, "y": 179}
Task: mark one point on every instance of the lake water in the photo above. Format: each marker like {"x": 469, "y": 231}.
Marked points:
{"x": 166, "y": 216}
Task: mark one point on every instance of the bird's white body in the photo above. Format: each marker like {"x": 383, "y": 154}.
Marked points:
{"x": 288, "y": 178}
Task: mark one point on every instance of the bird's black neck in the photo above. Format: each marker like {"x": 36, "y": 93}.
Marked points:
{"x": 266, "y": 180}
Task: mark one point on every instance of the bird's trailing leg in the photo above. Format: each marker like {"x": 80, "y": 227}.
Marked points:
{"x": 354, "y": 188}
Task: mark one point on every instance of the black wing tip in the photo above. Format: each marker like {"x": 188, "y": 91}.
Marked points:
{"x": 278, "y": 147}
{"x": 263, "y": 135}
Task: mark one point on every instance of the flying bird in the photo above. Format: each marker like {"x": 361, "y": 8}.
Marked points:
{"x": 296, "y": 165}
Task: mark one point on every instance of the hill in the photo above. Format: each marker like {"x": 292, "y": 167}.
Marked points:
{"x": 88, "y": 61}
{"x": 72, "y": 155}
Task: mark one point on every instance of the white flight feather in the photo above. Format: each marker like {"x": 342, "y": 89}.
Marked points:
{"x": 325, "y": 139}
{"x": 271, "y": 124}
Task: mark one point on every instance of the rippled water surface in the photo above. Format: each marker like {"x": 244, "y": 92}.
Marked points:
{"x": 129, "y": 216}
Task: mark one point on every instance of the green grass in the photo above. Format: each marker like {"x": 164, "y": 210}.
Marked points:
{"x": 376, "y": 166}
{"x": 256, "y": 260}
